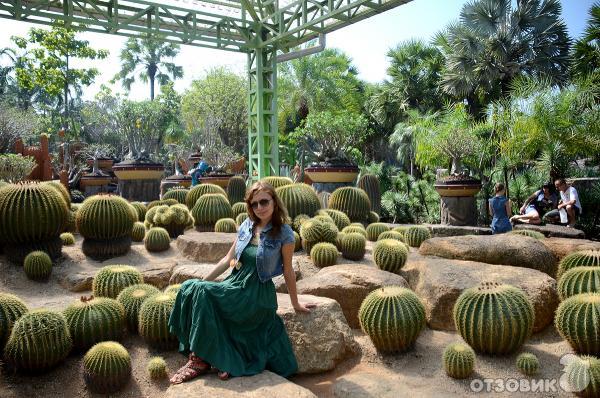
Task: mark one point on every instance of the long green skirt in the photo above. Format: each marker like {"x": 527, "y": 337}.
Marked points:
{"x": 233, "y": 324}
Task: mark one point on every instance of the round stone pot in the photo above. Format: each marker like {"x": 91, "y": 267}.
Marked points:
{"x": 139, "y": 180}
{"x": 91, "y": 184}
{"x": 221, "y": 180}
{"x": 103, "y": 163}
{"x": 332, "y": 174}
{"x": 458, "y": 205}
{"x": 183, "y": 180}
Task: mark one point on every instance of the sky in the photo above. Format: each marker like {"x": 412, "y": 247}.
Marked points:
{"x": 366, "y": 42}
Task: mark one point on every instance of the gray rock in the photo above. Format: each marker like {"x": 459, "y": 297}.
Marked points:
{"x": 158, "y": 276}
{"x": 560, "y": 247}
{"x": 440, "y": 231}
{"x": 553, "y": 231}
{"x": 279, "y": 281}
{"x": 78, "y": 281}
{"x": 184, "y": 271}
{"x": 204, "y": 247}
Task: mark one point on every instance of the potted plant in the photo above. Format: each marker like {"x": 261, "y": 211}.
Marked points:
{"x": 218, "y": 157}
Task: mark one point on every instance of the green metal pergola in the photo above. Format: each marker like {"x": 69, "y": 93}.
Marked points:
{"x": 259, "y": 28}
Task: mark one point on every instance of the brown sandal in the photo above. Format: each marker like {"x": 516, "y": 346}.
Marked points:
{"x": 195, "y": 367}
{"x": 223, "y": 375}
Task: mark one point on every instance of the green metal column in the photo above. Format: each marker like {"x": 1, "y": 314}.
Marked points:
{"x": 263, "y": 141}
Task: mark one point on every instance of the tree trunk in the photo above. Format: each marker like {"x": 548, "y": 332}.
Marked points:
{"x": 66, "y": 99}
{"x": 152, "y": 68}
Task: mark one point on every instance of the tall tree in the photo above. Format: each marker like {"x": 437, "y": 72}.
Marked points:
{"x": 586, "y": 54}
{"x": 151, "y": 59}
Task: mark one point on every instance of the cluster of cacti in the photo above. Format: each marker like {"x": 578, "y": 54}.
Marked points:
{"x": 177, "y": 194}
{"x": 297, "y": 241}
{"x": 529, "y": 233}
{"x": 298, "y": 221}
{"x": 175, "y": 219}
{"x": 93, "y": 320}
{"x": 39, "y": 340}
{"x": 132, "y": 298}
{"x": 226, "y": 225}
{"x": 314, "y": 231}
{"x": 583, "y": 376}
{"x": 579, "y": 280}
{"x": 493, "y": 310}
{"x": 157, "y": 368}
{"x": 392, "y": 317}
{"x": 375, "y": 229}
{"x": 577, "y": 319}
{"x": 370, "y": 184}
{"x": 299, "y": 199}
{"x": 353, "y": 246}
{"x": 240, "y": 218}
{"x": 372, "y": 217}
{"x": 324, "y": 254}
{"x": 236, "y": 189}
{"x": 324, "y": 217}
{"x": 163, "y": 202}
{"x": 340, "y": 219}
{"x": 416, "y": 234}
{"x": 153, "y": 321}
{"x": 352, "y": 201}
{"x": 209, "y": 209}
{"x": 37, "y": 266}
{"x": 140, "y": 209}
{"x": 350, "y": 229}
{"x": 238, "y": 208}
{"x": 390, "y": 255}
{"x": 173, "y": 289}
{"x": 583, "y": 258}
{"x": 528, "y": 363}
{"x": 110, "y": 280}
{"x": 157, "y": 240}
{"x": 391, "y": 235}
{"x": 138, "y": 232}
{"x": 277, "y": 182}
{"x": 196, "y": 192}
{"x": 105, "y": 222}
{"x": 107, "y": 367}
{"x": 324, "y": 199}
{"x": 459, "y": 360}
{"x": 11, "y": 309}
{"x": 67, "y": 239}
{"x": 32, "y": 216}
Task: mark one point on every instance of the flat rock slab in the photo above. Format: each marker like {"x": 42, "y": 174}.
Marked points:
{"x": 560, "y": 247}
{"x": 184, "y": 271}
{"x": 504, "y": 249}
{"x": 321, "y": 339}
{"x": 440, "y": 230}
{"x": 553, "y": 231}
{"x": 78, "y": 281}
{"x": 349, "y": 284}
{"x": 439, "y": 282}
{"x": 263, "y": 385}
{"x": 204, "y": 247}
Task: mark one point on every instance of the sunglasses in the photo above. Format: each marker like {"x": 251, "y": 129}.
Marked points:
{"x": 262, "y": 203}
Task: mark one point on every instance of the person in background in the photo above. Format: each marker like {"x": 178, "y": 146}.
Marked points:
{"x": 499, "y": 207}
{"x": 199, "y": 170}
{"x": 536, "y": 206}
{"x": 569, "y": 201}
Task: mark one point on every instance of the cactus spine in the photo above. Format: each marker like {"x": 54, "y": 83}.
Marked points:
{"x": 299, "y": 199}
{"x": 209, "y": 209}
{"x": 579, "y": 280}
{"x": 583, "y": 258}
{"x": 352, "y": 201}
{"x": 390, "y": 255}
{"x": 416, "y": 235}
{"x": 577, "y": 320}
{"x": 132, "y": 298}
{"x": 370, "y": 184}
{"x": 375, "y": 229}
{"x": 236, "y": 189}
{"x": 324, "y": 254}
{"x": 11, "y": 309}
{"x": 107, "y": 367}
{"x": 528, "y": 364}
{"x": 157, "y": 368}
{"x": 353, "y": 246}
{"x": 226, "y": 225}
{"x": 459, "y": 360}
{"x": 153, "y": 321}
{"x": 110, "y": 280}
{"x": 157, "y": 240}
{"x": 38, "y": 266}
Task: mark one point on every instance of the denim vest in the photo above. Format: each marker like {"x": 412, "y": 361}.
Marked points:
{"x": 269, "y": 261}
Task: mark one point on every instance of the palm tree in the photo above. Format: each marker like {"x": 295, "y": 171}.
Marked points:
{"x": 147, "y": 57}
{"x": 494, "y": 42}
{"x": 586, "y": 54}
{"x": 5, "y": 71}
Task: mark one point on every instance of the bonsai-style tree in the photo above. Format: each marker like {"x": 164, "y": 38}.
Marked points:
{"x": 14, "y": 168}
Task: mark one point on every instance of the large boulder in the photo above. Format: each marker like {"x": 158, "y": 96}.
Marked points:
{"x": 349, "y": 284}
{"x": 439, "y": 282}
{"x": 560, "y": 247}
{"x": 505, "y": 249}
{"x": 204, "y": 247}
{"x": 555, "y": 231}
{"x": 184, "y": 271}
{"x": 321, "y": 338}
{"x": 263, "y": 385}
{"x": 443, "y": 230}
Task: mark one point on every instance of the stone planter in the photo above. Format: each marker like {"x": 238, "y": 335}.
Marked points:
{"x": 91, "y": 184}
{"x": 458, "y": 205}
{"x": 221, "y": 180}
{"x": 139, "y": 180}
{"x": 104, "y": 164}
{"x": 182, "y": 180}
{"x": 329, "y": 178}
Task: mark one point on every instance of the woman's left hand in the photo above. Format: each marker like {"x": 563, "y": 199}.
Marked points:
{"x": 304, "y": 307}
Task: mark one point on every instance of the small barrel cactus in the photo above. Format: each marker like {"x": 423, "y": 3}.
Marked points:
{"x": 355, "y": 230}
{"x": 391, "y": 235}
{"x": 583, "y": 258}
{"x": 240, "y": 218}
{"x": 299, "y": 199}
{"x": 577, "y": 319}
{"x": 353, "y": 246}
{"x": 583, "y": 376}
{"x": 37, "y": 266}
{"x": 153, "y": 321}
{"x": 494, "y": 318}
{"x": 352, "y": 201}
{"x": 11, "y": 309}
{"x": 110, "y": 280}
{"x": 324, "y": 254}
{"x": 175, "y": 219}
{"x": 416, "y": 234}
{"x": 39, "y": 341}
{"x": 157, "y": 240}
{"x": 132, "y": 298}
{"x": 164, "y": 202}
{"x": 277, "y": 182}
{"x": 196, "y": 192}
{"x": 226, "y": 225}
{"x": 141, "y": 210}
{"x": 177, "y": 194}
{"x": 372, "y": 217}
{"x": 238, "y": 208}
{"x": 298, "y": 221}
{"x": 375, "y": 229}
{"x": 107, "y": 367}
{"x": 459, "y": 360}
{"x": 324, "y": 217}
{"x": 297, "y": 242}
{"x": 314, "y": 231}
{"x": 528, "y": 363}
{"x": 94, "y": 320}
{"x": 67, "y": 239}
{"x": 157, "y": 368}
{"x": 579, "y": 280}
{"x": 392, "y": 317}
{"x": 390, "y": 255}
{"x": 529, "y": 233}
{"x": 370, "y": 184}
{"x": 340, "y": 218}
{"x": 236, "y": 189}
{"x": 209, "y": 209}
{"x": 138, "y": 232}
{"x": 173, "y": 289}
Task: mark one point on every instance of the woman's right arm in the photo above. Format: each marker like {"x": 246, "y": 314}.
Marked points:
{"x": 222, "y": 265}
{"x": 528, "y": 201}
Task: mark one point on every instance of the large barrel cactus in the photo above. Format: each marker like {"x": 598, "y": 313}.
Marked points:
{"x": 106, "y": 223}
{"x": 583, "y": 376}
{"x": 110, "y": 280}
{"x": 11, "y": 309}
{"x": 277, "y": 182}
{"x": 390, "y": 255}
{"x": 324, "y": 254}
{"x": 353, "y": 246}
{"x": 494, "y": 318}
{"x": 355, "y": 230}
{"x": 94, "y": 320}
{"x": 37, "y": 266}
{"x": 175, "y": 219}
{"x": 459, "y": 360}
{"x": 107, "y": 367}
{"x": 60, "y": 188}
{"x": 236, "y": 189}
{"x": 583, "y": 258}
{"x": 340, "y": 219}
{"x": 299, "y": 199}
{"x": 392, "y": 317}
{"x": 153, "y": 321}
{"x": 352, "y": 201}
{"x": 157, "y": 240}
{"x": 577, "y": 319}
{"x": 416, "y": 234}
{"x": 178, "y": 194}
{"x": 579, "y": 280}
{"x": 370, "y": 184}
{"x": 141, "y": 210}
{"x": 314, "y": 231}
{"x": 209, "y": 209}
{"x": 32, "y": 217}
{"x": 196, "y": 192}
{"x": 238, "y": 208}
{"x": 39, "y": 341}
{"x": 376, "y": 229}
{"x": 132, "y": 298}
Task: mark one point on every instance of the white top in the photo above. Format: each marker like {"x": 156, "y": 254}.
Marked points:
{"x": 570, "y": 194}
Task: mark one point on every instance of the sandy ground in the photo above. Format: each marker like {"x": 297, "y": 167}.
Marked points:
{"x": 419, "y": 370}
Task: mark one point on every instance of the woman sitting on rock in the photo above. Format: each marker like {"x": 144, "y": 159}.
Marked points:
{"x": 232, "y": 325}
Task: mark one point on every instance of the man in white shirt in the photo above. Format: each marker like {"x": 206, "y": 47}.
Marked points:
{"x": 569, "y": 202}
